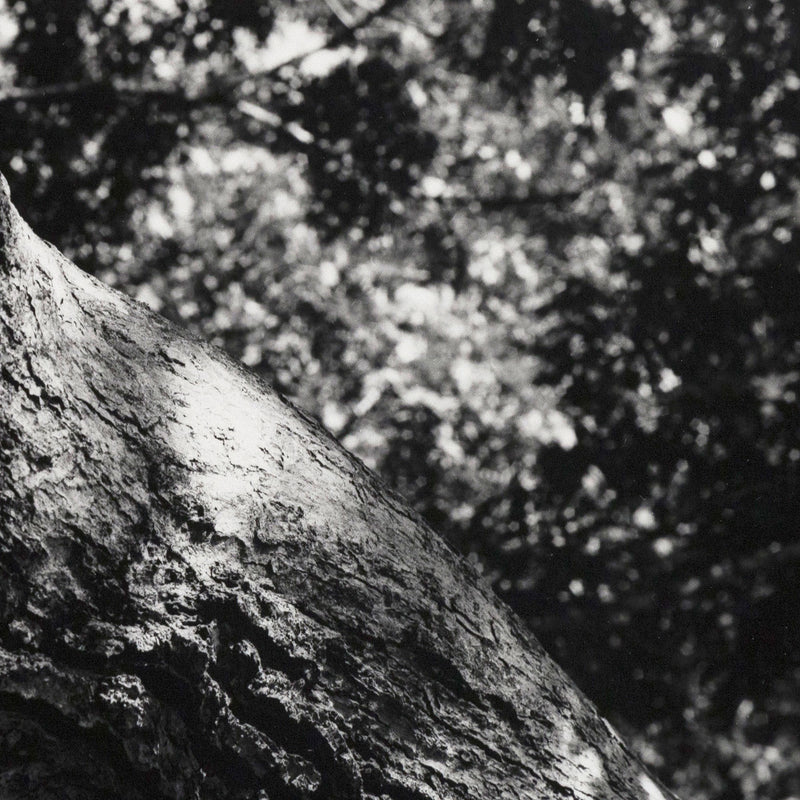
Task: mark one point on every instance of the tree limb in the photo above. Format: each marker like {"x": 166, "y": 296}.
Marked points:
{"x": 204, "y": 596}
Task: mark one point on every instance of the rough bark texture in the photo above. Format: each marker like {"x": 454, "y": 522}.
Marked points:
{"x": 202, "y": 595}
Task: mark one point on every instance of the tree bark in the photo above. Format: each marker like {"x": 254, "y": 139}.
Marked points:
{"x": 203, "y": 595}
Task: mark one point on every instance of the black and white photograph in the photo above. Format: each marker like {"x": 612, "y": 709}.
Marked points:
{"x": 399, "y": 400}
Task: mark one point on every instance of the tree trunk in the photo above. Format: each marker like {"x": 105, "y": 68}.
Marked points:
{"x": 202, "y": 595}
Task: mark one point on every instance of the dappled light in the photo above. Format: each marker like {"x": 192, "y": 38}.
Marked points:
{"x": 534, "y": 262}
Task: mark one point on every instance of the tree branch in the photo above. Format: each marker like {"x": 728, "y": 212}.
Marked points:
{"x": 71, "y": 89}
{"x": 341, "y": 13}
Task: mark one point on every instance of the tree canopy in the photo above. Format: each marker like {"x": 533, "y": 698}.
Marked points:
{"x": 536, "y": 262}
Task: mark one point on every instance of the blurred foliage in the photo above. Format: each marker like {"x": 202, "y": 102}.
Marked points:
{"x": 535, "y": 261}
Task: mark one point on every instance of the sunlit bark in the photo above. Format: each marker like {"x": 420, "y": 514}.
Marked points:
{"x": 203, "y": 595}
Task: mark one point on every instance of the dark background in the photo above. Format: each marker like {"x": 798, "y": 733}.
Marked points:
{"x": 534, "y": 261}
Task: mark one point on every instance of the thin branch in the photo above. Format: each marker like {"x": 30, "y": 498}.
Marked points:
{"x": 337, "y": 39}
{"x": 369, "y": 7}
{"x": 65, "y": 91}
{"x": 417, "y": 26}
{"x": 501, "y": 202}
{"x": 292, "y": 129}
{"x": 341, "y": 13}
{"x": 69, "y": 90}
{"x": 45, "y": 92}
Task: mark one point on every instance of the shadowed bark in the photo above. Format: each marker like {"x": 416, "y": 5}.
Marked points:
{"x": 203, "y": 595}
